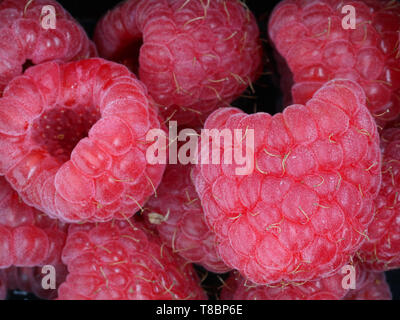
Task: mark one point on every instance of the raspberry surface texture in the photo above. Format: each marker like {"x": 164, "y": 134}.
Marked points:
{"x": 238, "y": 288}
{"x": 25, "y": 42}
{"x": 120, "y": 260}
{"x": 194, "y": 56}
{"x": 28, "y": 237}
{"x": 368, "y": 286}
{"x": 304, "y": 210}
{"x": 315, "y": 40}
{"x": 73, "y": 140}
{"x": 177, "y": 214}
{"x": 381, "y": 251}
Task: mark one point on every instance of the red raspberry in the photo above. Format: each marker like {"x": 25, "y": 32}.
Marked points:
{"x": 374, "y": 287}
{"x": 30, "y": 280}
{"x": 369, "y": 286}
{"x": 305, "y": 209}
{"x": 381, "y": 251}
{"x": 310, "y": 36}
{"x": 238, "y": 288}
{"x": 23, "y": 40}
{"x": 28, "y": 237}
{"x": 194, "y": 56}
{"x": 45, "y": 118}
{"x": 120, "y": 260}
{"x": 179, "y": 219}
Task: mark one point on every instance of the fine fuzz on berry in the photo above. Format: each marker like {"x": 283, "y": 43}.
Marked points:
{"x": 177, "y": 214}
{"x": 317, "y": 47}
{"x": 194, "y": 56}
{"x": 73, "y": 140}
{"x": 120, "y": 260}
{"x": 24, "y": 41}
{"x": 304, "y": 210}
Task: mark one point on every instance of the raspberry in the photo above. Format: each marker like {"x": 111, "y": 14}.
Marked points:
{"x": 381, "y": 251}
{"x": 304, "y": 210}
{"x": 194, "y": 56}
{"x": 374, "y": 287}
{"x": 45, "y": 118}
{"x": 24, "y": 42}
{"x": 369, "y": 286}
{"x": 311, "y": 38}
{"x": 28, "y": 238}
{"x": 179, "y": 219}
{"x": 30, "y": 280}
{"x": 120, "y": 260}
{"x": 238, "y": 288}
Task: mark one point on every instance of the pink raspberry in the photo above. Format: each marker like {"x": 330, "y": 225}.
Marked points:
{"x": 369, "y": 286}
{"x": 120, "y": 260}
{"x": 30, "y": 280}
{"x": 72, "y": 140}
{"x": 238, "y": 288}
{"x": 179, "y": 219}
{"x": 305, "y": 209}
{"x": 373, "y": 287}
{"x": 381, "y": 251}
{"x": 28, "y": 238}
{"x": 194, "y": 56}
{"x": 317, "y": 48}
{"x": 24, "y": 41}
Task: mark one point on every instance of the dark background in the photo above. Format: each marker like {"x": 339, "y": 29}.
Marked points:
{"x": 267, "y": 98}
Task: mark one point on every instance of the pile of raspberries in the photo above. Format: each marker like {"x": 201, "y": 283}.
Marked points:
{"x": 85, "y": 204}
